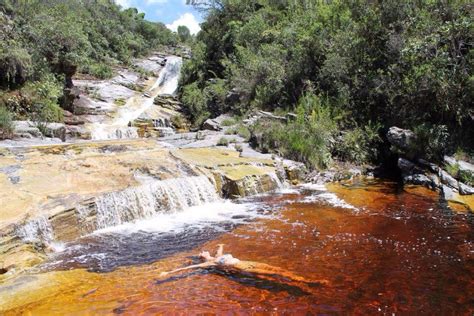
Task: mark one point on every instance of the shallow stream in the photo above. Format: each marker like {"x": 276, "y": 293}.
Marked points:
{"x": 384, "y": 250}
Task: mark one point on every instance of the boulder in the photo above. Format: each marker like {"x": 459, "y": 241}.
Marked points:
{"x": 421, "y": 179}
{"x": 447, "y": 193}
{"x": 295, "y": 171}
{"x": 55, "y": 130}
{"x": 406, "y": 166}
{"x": 232, "y": 97}
{"x": 80, "y": 132}
{"x": 70, "y": 95}
{"x": 447, "y": 179}
{"x": 211, "y": 125}
{"x": 465, "y": 166}
{"x": 435, "y": 182}
{"x": 402, "y": 140}
{"x": 465, "y": 189}
{"x": 26, "y": 129}
{"x": 426, "y": 164}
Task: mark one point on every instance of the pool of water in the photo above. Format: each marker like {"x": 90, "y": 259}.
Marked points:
{"x": 384, "y": 250}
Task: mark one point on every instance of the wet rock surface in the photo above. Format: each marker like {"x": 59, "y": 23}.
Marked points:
{"x": 51, "y": 189}
{"x": 447, "y": 178}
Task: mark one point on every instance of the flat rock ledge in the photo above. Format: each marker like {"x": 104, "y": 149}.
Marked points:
{"x": 53, "y": 185}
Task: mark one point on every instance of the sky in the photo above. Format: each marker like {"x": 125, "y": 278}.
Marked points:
{"x": 171, "y": 12}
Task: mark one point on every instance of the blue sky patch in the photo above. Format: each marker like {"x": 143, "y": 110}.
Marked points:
{"x": 171, "y": 12}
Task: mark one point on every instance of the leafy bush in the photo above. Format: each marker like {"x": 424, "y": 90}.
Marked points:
{"x": 244, "y": 132}
{"x": 466, "y": 177}
{"x": 15, "y": 65}
{"x": 178, "y": 122}
{"x": 231, "y": 131}
{"x": 431, "y": 141}
{"x": 196, "y": 103}
{"x": 223, "y": 142}
{"x": 43, "y": 95}
{"x": 307, "y": 139}
{"x": 100, "y": 71}
{"x": 6, "y": 123}
{"x": 228, "y": 122}
{"x": 453, "y": 169}
{"x": 358, "y": 145}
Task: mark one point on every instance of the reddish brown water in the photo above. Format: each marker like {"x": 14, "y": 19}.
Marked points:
{"x": 401, "y": 252}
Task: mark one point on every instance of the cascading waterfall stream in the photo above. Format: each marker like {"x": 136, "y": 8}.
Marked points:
{"x": 149, "y": 199}
{"x": 153, "y": 198}
{"x": 166, "y": 84}
{"x": 38, "y": 229}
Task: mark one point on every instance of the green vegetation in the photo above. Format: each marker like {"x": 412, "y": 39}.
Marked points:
{"x": 464, "y": 176}
{"x": 120, "y": 101}
{"x": 371, "y": 65}
{"x": 178, "y": 121}
{"x": 184, "y": 34}
{"x": 222, "y": 141}
{"x": 6, "y": 124}
{"x": 228, "y": 122}
{"x": 44, "y": 43}
{"x": 453, "y": 170}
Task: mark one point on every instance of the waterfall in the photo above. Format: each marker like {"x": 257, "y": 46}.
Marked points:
{"x": 151, "y": 198}
{"x": 154, "y": 197}
{"x": 118, "y": 127}
{"x": 169, "y": 76}
{"x": 38, "y": 229}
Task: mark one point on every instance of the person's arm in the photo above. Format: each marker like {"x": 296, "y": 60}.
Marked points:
{"x": 220, "y": 250}
{"x": 194, "y": 266}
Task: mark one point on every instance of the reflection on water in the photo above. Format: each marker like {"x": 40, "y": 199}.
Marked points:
{"x": 392, "y": 251}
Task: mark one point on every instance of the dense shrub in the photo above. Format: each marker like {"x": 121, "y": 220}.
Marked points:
{"x": 358, "y": 145}
{"x": 307, "y": 139}
{"x": 6, "y": 123}
{"x": 196, "y": 102}
{"x": 402, "y": 63}
{"x": 99, "y": 70}
{"x": 43, "y": 96}
{"x": 431, "y": 141}
{"x": 15, "y": 65}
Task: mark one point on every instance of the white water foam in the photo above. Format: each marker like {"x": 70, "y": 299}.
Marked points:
{"x": 329, "y": 198}
{"x": 191, "y": 217}
{"x": 322, "y": 195}
{"x": 37, "y": 229}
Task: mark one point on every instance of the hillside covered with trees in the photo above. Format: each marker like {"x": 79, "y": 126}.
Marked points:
{"x": 43, "y": 43}
{"x": 348, "y": 69}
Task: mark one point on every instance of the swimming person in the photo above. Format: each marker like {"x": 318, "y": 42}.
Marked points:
{"x": 229, "y": 263}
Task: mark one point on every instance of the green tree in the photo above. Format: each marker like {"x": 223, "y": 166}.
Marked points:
{"x": 184, "y": 33}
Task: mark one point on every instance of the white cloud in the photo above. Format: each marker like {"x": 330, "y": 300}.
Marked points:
{"x": 124, "y": 3}
{"x": 188, "y": 20}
